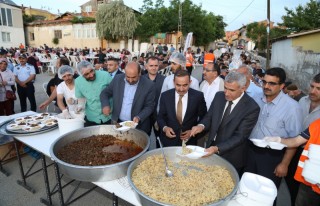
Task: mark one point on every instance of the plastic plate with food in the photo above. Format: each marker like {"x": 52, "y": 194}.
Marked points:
{"x": 125, "y": 126}
{"x": 33, "y": 127}
{"x": 191, "y": 152}
{"x": 50, "y": 120}
{"x": 15, "y": 126}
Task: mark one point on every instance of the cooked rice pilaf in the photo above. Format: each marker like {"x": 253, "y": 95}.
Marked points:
{"x": 192, "y": 184}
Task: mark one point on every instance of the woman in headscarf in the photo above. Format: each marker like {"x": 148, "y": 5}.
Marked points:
{"x": 7, "y": 79}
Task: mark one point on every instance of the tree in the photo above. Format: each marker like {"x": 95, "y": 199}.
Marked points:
{"x": 147, "y": 4}
{"x": 28, "y": 18}
{"x": 55, "y": 41}
{"x": 206, "y": 27}
{"x": 159, "y": 4}
{"x": 303, "y": 18}
{"x": 257, "y": 32}
{"x": 82, "y": 19}
{"x": 115, "y": 20}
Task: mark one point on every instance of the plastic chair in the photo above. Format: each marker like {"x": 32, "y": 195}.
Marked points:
{"x": 52, "y": 65}
{"x": 44, "y": 86}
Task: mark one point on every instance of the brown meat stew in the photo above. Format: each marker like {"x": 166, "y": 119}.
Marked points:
{"x": 98, "y": 150}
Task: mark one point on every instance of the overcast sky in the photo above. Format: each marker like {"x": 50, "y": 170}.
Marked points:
{"x": 235, "y": 12}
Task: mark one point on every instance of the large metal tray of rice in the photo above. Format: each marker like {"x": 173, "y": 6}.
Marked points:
{"x": 206, "y": 181}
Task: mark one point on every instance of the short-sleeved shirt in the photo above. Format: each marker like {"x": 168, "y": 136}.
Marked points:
{"x": 23, "y": 72}
{"x": 305, "y": 134}
{"x": 67, "y": 94}
{"x": 91, "y": 91}
{"x": 281, "y": 117}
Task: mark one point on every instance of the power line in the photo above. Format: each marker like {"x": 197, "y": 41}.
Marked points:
{"x": 241, "y": 12}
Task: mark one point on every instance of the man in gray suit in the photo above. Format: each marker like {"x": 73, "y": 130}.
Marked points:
{"x": 230, "y": 120}
{"x": 133, "y": 98}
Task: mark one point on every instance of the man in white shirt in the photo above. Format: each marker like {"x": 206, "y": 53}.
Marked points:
{"x": 212, "y": 83}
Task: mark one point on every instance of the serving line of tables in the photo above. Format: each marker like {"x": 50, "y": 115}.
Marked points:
{"x": 42, "y": 143}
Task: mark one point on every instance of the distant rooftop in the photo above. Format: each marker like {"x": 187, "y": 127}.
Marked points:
{"x": 9, "y": 2}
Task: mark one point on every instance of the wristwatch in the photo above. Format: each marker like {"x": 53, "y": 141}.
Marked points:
{"x": 217, "y": 150}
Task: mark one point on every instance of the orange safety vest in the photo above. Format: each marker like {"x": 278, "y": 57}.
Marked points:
{"x": 314, "y": 130}
{"x": 189, "y": 60}
{"x": 209, "y": 57}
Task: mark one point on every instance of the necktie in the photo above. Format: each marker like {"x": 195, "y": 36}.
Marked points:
{"x": 110, "y": 74}
{"x": 226, "y": 113}
{"x": 179, "y": 109}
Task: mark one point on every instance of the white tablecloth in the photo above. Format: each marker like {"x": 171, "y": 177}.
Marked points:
{"x": 42, "y": 143}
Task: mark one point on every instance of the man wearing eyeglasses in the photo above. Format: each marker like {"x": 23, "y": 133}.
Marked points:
{"x": 280, "y": 116}
{"x": 212, "y": 82}
{"x": 87, "y": 89}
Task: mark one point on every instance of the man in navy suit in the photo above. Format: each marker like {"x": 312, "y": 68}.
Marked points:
{"x": 133, "y": 98}
{"x": 181, "y": 108}
{"x": 230, "y": 120}
{"x": 113, "y": 67}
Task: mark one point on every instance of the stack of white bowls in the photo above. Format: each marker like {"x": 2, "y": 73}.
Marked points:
{"x": 255, "y": 190}
{"x": 311, "y": 169}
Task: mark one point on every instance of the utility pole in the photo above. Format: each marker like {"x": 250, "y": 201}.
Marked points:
{"x": 268, "y": 36}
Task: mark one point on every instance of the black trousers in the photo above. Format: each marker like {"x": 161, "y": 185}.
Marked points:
{"x": 89, "y": 123}
{"x": 263, "y": 161}
{"x": 293, "y": 185}
{"x": 24, "y": 93}
{"x": 307, "y": 197}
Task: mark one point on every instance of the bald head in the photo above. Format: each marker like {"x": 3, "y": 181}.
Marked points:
{"x": 132, "y": 72}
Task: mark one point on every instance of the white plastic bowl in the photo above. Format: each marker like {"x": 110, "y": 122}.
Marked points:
{"x": 259, "y": 142}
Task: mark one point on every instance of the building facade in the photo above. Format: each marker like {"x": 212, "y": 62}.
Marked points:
{"x": 299, "y": 55}
{"x": 11, "y": 25}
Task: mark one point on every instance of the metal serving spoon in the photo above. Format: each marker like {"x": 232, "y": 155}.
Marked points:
{"x": 168, "y": 172}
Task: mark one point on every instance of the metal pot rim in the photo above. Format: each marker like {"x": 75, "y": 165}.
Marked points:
{"x": 56, "y": 159}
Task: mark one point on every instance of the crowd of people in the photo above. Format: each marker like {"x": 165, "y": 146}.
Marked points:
{"x": 235, "y": 101}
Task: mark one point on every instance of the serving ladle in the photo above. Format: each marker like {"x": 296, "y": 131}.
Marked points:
{"x": 169, "y": 173}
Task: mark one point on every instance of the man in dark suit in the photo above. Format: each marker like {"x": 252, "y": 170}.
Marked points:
{"x": 230, "y": 120}
{"x": 133, "y": 98}
{"x": 113, "y": 67}
{"x": 181, "y": 108}
{"x": 152, "y": 66}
